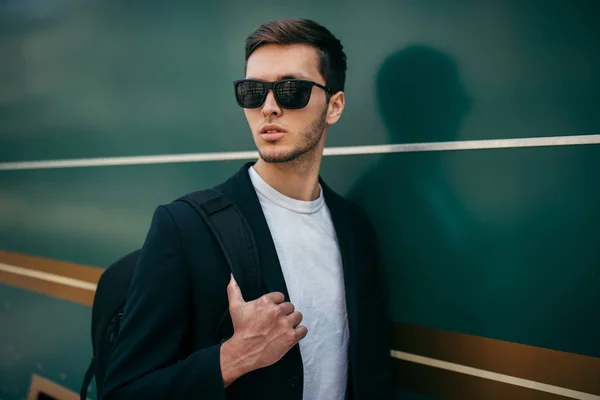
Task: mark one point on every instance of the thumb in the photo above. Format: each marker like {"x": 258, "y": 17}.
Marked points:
{"x": 234, "y": 293}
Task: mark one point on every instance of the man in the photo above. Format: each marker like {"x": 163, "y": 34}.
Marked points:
{"x": 319, "y": 331}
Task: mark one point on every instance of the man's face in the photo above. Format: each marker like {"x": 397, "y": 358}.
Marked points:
{"x": 291, "y": 132}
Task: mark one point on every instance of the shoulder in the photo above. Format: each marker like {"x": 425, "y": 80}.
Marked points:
{"x": 179, "y": 237}
{"x": 178, "y": 210}
{"x": 363, "y": 226}
{"x": 176, "y": 222}
{"x": 352, "y": 210}
{"x": 355, "y": 211}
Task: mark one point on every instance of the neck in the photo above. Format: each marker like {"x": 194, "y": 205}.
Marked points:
{"x": 297, "y": 179}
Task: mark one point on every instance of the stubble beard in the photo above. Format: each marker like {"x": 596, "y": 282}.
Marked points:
{"x": 310, "y": 139}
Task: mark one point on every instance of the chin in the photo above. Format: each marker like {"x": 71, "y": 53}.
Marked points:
{"x": 273, "y": 157}
{"x": 277, "y": 154}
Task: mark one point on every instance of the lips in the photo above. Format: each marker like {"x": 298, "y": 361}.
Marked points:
{"x": 272, "y": 132}
{"x": 268, "y": 129}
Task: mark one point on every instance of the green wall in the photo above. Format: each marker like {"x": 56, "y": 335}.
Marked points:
{"x": 499, "y": 243}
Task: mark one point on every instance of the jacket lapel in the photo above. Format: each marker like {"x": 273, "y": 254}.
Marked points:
{"x": 240, "y": 191}
{"x": 287, "y": 376}
{"x": 341, "y": 217}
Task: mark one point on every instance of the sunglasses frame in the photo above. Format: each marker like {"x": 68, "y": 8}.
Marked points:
{"x": 271, "y": 86}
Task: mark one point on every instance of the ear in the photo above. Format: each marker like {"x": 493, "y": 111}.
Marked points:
{"x": 336, "y": 107}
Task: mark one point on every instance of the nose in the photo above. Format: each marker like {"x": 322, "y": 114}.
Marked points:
{"x": 270, "y": 107}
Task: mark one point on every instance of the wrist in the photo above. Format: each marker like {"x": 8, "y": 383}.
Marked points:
{"x": 232, "y": 365}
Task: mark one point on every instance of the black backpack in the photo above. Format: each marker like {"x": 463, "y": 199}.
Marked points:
{"x": 237, "y": 243}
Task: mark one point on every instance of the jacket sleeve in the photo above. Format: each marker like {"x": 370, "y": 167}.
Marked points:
{"x": 148, "y": 359}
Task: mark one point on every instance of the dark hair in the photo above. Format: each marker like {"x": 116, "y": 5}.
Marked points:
{"x": 331, "y": 56}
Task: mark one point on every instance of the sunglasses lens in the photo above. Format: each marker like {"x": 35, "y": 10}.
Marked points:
{"x": 289, "y": 94}
{"x": 250, "y": 94}
{"x": 293, "y": 94}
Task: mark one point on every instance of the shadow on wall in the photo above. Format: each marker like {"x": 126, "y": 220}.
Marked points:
{"x": 423, "y": 227}
{"x": 420, "y": 96}
{"x": 496, "y": 243}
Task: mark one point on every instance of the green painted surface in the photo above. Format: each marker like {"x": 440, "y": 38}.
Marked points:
{"x": 499, "y": 243}
{"x": 98, "y": 78}
{"x": 92, "y": 215}
{"x": 47, "y": 336}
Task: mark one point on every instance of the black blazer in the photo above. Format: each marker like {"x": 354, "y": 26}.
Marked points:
{"x": 177, "y": 309}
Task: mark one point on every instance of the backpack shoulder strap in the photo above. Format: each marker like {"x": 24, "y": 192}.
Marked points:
{"x": 234, "y": 236}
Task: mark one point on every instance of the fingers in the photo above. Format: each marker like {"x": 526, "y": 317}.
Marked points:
{"x": 234, "y": 294}
{"x": 294, "y": 319}
{"x": 287, "y": 308}
{"x": 275, "y": 297}
{"x": 301, "y": 332}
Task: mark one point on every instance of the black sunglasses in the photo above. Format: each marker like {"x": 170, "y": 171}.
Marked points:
{"x": 289, "y": 93}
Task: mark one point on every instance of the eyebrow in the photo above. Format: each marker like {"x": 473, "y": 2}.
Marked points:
{"x": 287, "y": 76}
{"x": 293, "y": 76}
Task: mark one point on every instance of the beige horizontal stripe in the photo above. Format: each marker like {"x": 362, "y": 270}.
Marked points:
{"x": 48, "y": 277}
{"x": 450, "y": 385}
{"x": 572, "y": 394}
{"x": 62, "y": 268}
{"x": 561, "y": 369}
{"x": 569, "y": 140}
{"x": 61, "y": 279}
{"x": 65, "y": 292}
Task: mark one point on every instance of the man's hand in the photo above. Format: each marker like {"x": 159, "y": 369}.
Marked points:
{"x": 264, "y": 331}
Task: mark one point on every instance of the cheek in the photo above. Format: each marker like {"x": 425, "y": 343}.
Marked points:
{"x": 298, "y": 120}
{"x": 314, "y": 111}
{"x": 253, "y": 117}
{"x": 317, "y": 103}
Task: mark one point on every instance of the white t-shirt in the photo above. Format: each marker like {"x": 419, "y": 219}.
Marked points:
{"x": 308, "y": 251}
